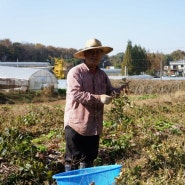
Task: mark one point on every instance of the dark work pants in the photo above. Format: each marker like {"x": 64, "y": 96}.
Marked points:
{"x": 80, "y": 148}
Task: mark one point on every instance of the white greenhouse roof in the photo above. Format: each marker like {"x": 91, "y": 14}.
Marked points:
{"x": 25, "y": 64}
{"x": 17, "y": 73}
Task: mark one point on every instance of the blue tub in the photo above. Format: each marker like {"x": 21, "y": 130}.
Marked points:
{"x": 100, "y": 175}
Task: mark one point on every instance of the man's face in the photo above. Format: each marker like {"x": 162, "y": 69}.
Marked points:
{"x": 93, "y": 57}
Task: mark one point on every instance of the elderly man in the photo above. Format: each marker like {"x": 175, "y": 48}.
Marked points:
{"x": 88, "y": 89}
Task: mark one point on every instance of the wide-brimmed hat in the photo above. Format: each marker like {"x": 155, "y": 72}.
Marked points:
{"x": 92, "y": 44}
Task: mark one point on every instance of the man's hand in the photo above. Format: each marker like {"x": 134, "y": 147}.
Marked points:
{"x": 105, "y": 99}
{"x": 125, "y": 86}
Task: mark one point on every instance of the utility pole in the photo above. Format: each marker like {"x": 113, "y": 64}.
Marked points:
{"x": 17, "y": 62}
{"x": 125, "y": 70}
{"x": 161, "y": 69}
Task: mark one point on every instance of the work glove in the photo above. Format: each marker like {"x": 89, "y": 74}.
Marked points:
{"x": 105, "y": 99}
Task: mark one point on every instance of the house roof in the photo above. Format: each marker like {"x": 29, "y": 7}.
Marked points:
{"x": 179, "y": 62}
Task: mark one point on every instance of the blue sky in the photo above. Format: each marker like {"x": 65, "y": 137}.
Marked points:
{"x": 157, "y": 26}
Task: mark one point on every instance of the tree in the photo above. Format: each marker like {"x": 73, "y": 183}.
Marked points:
{"x": 6, "y": 50}
{"x": 19, "y": 52}
{"x": 140, "y": 61}
{"x": 117, "y": 60}
{"x": 135, "y": 60}
{"x": 178, "y": 55}
{"x": 155, "y": 61}
{"x": 127, "y": 60}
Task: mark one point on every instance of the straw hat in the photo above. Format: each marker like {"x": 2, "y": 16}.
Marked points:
{"x": 92, "y": 44}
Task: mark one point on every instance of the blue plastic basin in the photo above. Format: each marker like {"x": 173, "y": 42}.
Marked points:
{"x": 100, "y": 175}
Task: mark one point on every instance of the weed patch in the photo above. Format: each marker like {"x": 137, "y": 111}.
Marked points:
{"x": 143, "y": 132}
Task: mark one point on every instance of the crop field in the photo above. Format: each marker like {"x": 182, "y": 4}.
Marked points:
{"x": 144, "y": 131}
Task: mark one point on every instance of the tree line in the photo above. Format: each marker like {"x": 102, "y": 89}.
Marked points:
{"x": 135, "y": 59}
{"x": 29, "y": 52}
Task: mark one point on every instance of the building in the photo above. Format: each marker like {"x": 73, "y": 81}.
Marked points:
{"x": 175, "y": 68}
{"x": 26, "y": 78}
{"x": 112, "y": 71}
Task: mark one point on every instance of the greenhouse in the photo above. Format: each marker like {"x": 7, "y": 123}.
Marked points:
{"x": 26, "y": 78}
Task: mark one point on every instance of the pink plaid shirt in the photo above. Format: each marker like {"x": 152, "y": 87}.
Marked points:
{"x": 84, "y": 110}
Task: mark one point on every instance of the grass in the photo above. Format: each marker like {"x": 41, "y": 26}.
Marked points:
{"x": 143, "y": 132}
